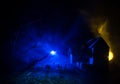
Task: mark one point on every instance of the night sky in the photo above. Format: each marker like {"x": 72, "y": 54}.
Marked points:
{"x": 19, "y": 13}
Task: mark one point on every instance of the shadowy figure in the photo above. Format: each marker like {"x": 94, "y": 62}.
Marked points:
{"x": 47, "y": 70}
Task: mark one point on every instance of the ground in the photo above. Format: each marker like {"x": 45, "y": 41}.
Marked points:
{"x": 58, "y": 75}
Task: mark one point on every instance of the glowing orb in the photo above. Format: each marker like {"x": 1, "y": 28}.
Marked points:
{"x": 110, "y": 57}
{"x": 53, "y": 52}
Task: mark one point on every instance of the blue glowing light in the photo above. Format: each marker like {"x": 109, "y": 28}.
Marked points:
{"x": 91, "y": 60}
{"x": 53, "y": 52}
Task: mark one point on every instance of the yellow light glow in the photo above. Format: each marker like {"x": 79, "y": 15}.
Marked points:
{"x": 110, "y": 57}
{"x": 102, "y": 28}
